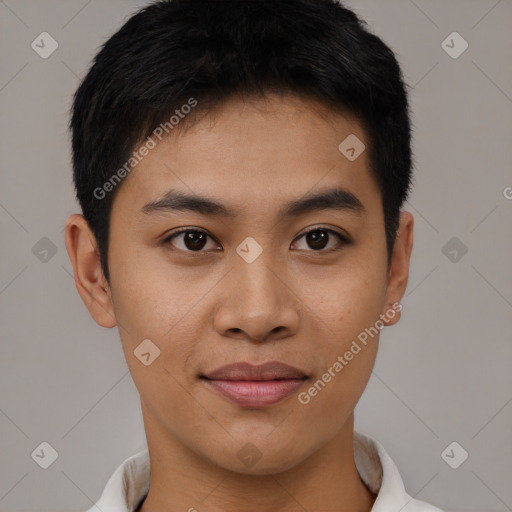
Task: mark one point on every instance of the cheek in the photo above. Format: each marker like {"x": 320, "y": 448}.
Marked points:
{"x": 347, "y": 304}
{"x": 350, "y": 307}
{"x": 164, "y": 303}
{"x": 346, "y": 298}
{"x": 151, "y": 295}
{"x": 156, "y": 316}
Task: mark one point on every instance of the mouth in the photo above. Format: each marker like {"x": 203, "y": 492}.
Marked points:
{"x": 255, "y": 394}
{"x": 273, "y": 370}
{"x": 253, "y": 386}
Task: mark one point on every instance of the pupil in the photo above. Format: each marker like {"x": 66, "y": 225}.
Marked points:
{"x": 193, "y": 240}
{"x": 317, "y": 239}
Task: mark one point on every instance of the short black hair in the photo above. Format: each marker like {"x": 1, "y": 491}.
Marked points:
{"x": 173, "y": 53}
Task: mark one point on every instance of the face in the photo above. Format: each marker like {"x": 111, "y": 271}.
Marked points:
{"x": 268, "y": 274}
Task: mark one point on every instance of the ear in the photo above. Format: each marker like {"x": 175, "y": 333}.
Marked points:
{"x": 399, "y": 268}
{"x": 89, "y": 279}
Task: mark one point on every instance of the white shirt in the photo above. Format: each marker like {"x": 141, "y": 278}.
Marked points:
{"x": 129, "y": 483}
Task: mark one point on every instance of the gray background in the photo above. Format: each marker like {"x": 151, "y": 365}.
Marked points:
{"x": 442, "y": 373}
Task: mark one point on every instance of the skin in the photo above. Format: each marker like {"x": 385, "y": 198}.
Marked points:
{"x": 293, "y": 304}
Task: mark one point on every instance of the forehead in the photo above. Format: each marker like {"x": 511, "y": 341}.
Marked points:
{"x": 255, "y": 152}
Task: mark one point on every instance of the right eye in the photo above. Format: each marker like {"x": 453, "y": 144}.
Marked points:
{"x": 189, "y": 240}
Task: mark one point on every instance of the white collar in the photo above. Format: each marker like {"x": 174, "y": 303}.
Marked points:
{"x": 129, "y": 483}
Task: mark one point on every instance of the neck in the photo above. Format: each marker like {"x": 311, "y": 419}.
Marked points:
{"x": 182, "y": 481}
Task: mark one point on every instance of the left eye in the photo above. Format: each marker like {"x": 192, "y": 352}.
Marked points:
{"x": 193, "y": 240}
{"x": 318, "y": 238}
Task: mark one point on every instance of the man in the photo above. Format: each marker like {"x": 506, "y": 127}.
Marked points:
{"x": 241, "y": 166}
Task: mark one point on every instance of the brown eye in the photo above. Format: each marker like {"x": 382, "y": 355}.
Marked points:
{"x": 194, "y": 240}
{"x": 318, "y": 239}
{"x": 189, "y": 240}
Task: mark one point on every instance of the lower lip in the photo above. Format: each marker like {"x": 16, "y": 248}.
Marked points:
{"x": 250, "y": 393}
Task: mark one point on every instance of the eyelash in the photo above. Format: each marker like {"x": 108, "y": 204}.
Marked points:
{"x": 343, "y": 240}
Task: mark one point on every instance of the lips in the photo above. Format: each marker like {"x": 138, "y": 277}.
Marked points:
{"x": 273, "y": 370}
{"x": 255, "y": 386}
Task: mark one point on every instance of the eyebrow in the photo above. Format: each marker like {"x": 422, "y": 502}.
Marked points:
{"x": 329, "y": 199}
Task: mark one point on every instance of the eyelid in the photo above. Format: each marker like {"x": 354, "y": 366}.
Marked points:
{"x": 187, "y": 229}
{"x": 345, "y": 237}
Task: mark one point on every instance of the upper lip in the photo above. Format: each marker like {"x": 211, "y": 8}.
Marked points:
{"x": 245, "y": 371}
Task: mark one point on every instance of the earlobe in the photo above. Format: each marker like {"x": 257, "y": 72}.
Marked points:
{"x": 89, "y": 279}
{"x": 392, "y": 314}
{"x": 399, "y": 271}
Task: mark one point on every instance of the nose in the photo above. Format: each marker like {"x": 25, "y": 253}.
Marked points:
{"x": 258, "y": 301}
